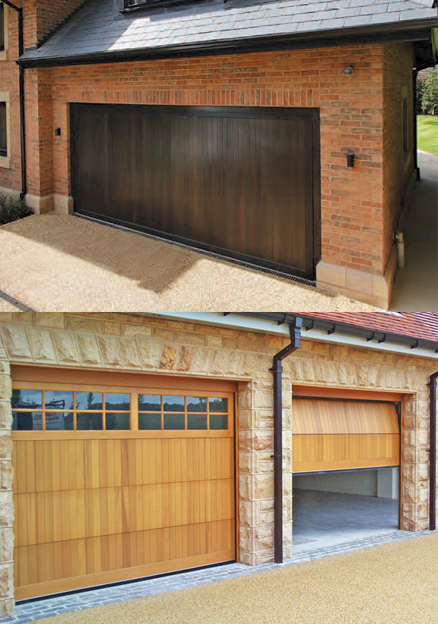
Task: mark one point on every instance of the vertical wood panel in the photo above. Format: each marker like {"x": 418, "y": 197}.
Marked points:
{"x": 239, "y": 180}
{"x": 92, "y": 507}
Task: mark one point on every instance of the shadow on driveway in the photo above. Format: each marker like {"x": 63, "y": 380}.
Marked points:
{"x": 153, "y": 265}
{"x": 56, "y": 263}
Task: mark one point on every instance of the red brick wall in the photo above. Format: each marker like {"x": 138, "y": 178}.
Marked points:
{"x": 398, "y": 166}
{"x": 351, "y": 110}
{"x": 50, "y": 13}
{"x": 11, "y": 178}
{"x": 39, "y": 132}
{"x": 40, "y": 17}
{"x": 355, "y": 230}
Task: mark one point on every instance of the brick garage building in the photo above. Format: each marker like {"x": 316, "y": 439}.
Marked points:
{"x": 112, "y": 97}
{"x": 108, "y": 486}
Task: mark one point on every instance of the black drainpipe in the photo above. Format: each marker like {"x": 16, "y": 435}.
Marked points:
{"x": 21, "y": 92}
{"x": 416, "y": 167}
{"x": 432, "y": 476}
{"x": 277, "y": 369}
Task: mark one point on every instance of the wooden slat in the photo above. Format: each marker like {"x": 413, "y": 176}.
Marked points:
{"x": 98, "y": 506}
{"x": 341, "y": 435}
{"x": 48, "y": 572}
{"x": 61, "y": 378}
{"x": 343, "y": 417}
{"x": 241, "y": 180}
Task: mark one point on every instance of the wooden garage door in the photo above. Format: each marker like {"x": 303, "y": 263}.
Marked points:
{"x": 119, "y": 476}
{"x": 243, "y": 181}
{"x": 337, "y": 435}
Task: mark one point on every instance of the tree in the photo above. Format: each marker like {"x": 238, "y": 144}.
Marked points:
{"x": 429, "y": 92}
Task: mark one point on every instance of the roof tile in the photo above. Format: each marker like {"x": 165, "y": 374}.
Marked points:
{"x": 413, "y": 324}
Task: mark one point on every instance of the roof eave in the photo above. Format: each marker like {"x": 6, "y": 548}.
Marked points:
{"x": 377, "y": 335}
{"x": 412, "y": 31}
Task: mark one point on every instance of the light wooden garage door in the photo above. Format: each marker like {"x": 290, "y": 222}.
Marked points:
{"x": 119, "y": 476}
{"x": 344, "y": 435}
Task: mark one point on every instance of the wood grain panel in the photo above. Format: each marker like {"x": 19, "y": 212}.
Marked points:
{"x": 341, "y": 417}
{"x": 237, "y": 179}
{"x": 48, "y": 568}
{"x": 341, "y": 435}
{"x": 98, "y": 509}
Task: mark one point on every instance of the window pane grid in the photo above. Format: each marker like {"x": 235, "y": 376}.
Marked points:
{"x": 196, "y": 411}
{"x": 59, "y": 415}
{"x": 78, "y": 411}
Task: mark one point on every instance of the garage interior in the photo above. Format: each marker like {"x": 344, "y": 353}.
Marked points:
{"x": 337, "y": 507}
{"x": 346, "y": 462}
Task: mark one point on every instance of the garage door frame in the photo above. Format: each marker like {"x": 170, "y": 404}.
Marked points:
{"x": 34, "y": 376}
{"x": 314, "y": 392}
{"x": 313, "y": 220}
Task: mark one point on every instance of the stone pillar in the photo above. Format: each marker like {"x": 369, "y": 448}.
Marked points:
{"x": 287, "y": 466}
{"x": 256, "y": 468}
{"x": 6, "y": 504}
{"x": 416, "y": 461}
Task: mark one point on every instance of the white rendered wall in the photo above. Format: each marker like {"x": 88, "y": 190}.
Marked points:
{"x": 381, "y": 482}
{"x": 362, "y": 482}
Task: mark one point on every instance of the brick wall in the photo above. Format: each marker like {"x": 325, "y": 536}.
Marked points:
{"x": 398, "y": 165}
{"x": 40, "y": 18}
{"x": 132, "y": 343}
{"x": 358, "y": 206}
{"x": 11, "y": 178}
{"x": 351, "y": 109}
{"x": 49, "y": 14}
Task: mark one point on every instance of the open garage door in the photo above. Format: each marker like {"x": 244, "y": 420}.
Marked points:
{"x": 344, "y": 435}
{"x": 239, "y": 181}
{"x": 119, "y": 476}
{"x": 346, "y": 474}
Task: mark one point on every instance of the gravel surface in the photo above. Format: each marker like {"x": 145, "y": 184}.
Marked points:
{"x": 64, "y": 263}
{"x": 391, "y": 584}
{"x": 5, "y": 306}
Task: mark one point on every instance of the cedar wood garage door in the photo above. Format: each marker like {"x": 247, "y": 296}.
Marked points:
{"x": 240, "y": 181}
{"x": 344, "y": 435}
{"x": 119, "y": 476}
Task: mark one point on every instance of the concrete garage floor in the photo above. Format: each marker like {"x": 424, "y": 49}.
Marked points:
{"x": 322, "y": 519}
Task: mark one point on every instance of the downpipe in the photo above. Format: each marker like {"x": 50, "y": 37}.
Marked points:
{"x": 432, "y": 454}
{"x": 277, "y": 370}
{"x": 19, "y": 10}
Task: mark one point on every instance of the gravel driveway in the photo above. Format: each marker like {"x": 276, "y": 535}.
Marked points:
{"x": 391, "y": 584}
{"x": 64, "y": 263}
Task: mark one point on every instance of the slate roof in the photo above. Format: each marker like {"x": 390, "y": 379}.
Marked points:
{"x": 97, "y": 28}
{"x": 423, "y": 325}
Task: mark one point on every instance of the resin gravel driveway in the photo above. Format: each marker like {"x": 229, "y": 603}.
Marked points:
{"x": 391, "y": 584}
{"x": 65, "y": 263}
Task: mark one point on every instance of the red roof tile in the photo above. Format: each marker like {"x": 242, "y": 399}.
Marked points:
{"x": 415, "y": 324}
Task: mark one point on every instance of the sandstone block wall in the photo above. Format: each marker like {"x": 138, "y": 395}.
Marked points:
{"x": 6, "y": 505}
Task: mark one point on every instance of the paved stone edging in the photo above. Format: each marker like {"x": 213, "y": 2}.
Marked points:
{"x": 38, "y": 610}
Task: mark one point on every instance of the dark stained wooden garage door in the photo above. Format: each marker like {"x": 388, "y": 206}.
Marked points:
{"x": 241, "y": 180}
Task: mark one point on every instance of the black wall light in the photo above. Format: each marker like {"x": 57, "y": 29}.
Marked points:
{"x": 350, "y": 158}
{"x": 58, "y": 132}
{"x": 348, "y": 70}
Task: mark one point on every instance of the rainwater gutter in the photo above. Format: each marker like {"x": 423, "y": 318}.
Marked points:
{"x": 21, "y": 96}
{"x": 432, "y": 477}
{"x": 277, "y": 370}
